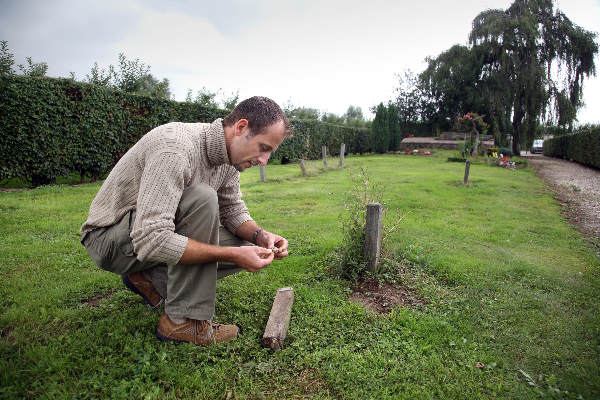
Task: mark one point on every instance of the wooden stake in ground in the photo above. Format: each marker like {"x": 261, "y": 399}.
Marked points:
{"x": 467, "y": 167}
{"x": 279, "y": 319}
{"x": 373, "y": 235}
{"x": 263, "y": 173}
{"x": 302, "y": 167}
{"x": 342, "y": 151}
{"x": 324, "y": 148}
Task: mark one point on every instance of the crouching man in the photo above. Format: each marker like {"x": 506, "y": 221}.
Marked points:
{"x": 155, "y": 220}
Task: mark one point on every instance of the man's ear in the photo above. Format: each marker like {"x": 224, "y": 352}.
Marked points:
{"x": 240, "y": 127}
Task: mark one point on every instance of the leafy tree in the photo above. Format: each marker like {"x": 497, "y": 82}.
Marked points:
{"x": 333, "y": 118}
{"x": 394, "y": 127}
{"x": 230, "y": 102}
{"x": 534, "y": 64}
{"x": 207, "y": 98}
{"x": 380, "y": 129}
{"x": 409, "y": 100}
{"x": 301, "y": 112}
{"x": 33, "y": 69}
{"x": 100, "y": 77}
{"x": 7, "y": 60}
{"x": 150, "y": 86}
{"x": 354, "y": 116}
{"x": 449, "y": 85}
{"x": 131, "y": 76}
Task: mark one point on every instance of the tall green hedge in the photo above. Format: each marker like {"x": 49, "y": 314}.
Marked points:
{"x": 54, "y": 127}
{"x": 582, "y": 147}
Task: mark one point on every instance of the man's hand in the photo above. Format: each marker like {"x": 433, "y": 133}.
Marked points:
{"x": 252, "y": 258}
{"x": 270, "y": 240}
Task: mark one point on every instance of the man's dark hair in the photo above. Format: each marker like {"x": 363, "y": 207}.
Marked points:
{"x": 260, "y": 112}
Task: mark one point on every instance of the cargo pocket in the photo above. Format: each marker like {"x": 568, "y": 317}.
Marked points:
{"x": 121, "y": 234}
{"x": 100, "y": 247}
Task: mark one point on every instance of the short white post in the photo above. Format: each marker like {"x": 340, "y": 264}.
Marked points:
{"x": 373, "y": 235}
{"x": 324, "y": 148}
{"x": 263, "y": 173}
{"x": 342, "y": 151}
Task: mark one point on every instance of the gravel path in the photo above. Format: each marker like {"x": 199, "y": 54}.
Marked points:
{"x": 577, "y": 188}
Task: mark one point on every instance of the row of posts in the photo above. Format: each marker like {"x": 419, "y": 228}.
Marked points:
{"x": 263, "y": 171}
{"x": 374, "y": 215}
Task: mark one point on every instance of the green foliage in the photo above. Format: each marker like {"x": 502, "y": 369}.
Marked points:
{"x": 301, "y": 112}
{"x": 354, "y": 117}
{"x": 381, "y": 129}
{"x": 54, "y": 127}
{"x": 449, "y": 85}
{"x": 533, "y": 59}
{"x": 394, "y": 128}
{"x": 231, "y": 101}
{"x": 311, "y": 135}
{"x": 131, "y": 76}
{"x": 33, "y": 69}
{"x": 204, "y": 97}
{"x": 582, "y": 147}
{"x": 332, "y": 118}
{"x": 7, "y": 60}
{"x": 349, "y": 261}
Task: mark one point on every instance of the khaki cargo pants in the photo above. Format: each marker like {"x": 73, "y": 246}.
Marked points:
{"x": 189, "y": 290}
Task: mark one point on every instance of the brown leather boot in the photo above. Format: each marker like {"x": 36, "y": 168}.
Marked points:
{"x": 139, "y": 284}
{"x": 201, "y": 333}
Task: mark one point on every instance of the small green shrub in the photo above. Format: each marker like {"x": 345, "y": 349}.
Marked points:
{"x": 349, "y": 261}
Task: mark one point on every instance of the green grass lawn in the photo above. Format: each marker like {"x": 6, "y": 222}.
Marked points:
{"x": 508, "y": 284}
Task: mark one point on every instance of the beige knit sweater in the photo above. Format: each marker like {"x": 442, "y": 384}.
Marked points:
{"x": 151, "y": 177}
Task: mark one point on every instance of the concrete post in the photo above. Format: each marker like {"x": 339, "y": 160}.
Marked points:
{"x": 342, "y": 151}
{"x": 263, "y": 173}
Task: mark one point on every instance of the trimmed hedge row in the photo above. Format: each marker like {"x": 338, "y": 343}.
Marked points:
{"x": 582, "y": 147}
{"x": 310, "y": 136}
{"x": 54, "y": 127}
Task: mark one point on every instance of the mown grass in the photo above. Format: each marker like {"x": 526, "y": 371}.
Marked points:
{"x": 509, "y": 284}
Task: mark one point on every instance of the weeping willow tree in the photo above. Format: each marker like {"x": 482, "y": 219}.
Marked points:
{"x": 534, "y": 64}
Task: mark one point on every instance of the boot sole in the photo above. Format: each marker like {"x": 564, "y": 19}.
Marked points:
{"x": 135, "y": 290}
{"x": 164, "y": 338}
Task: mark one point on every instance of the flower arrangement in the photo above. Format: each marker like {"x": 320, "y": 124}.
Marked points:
{"x": 420, "y": 152}
{"x": 504, "y": 161}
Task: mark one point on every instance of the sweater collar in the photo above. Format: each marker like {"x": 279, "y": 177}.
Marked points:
{"x": 216, "y": 151}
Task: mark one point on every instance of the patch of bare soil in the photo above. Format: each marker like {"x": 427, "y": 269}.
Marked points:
{"x": 382, "y": 297}
{"x": 577, "y": 188}
{"x": 94, "y": 301}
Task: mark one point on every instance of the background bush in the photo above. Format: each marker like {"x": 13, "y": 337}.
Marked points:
{"x": 55, "y": 127}
{"x": 582, "y": 147}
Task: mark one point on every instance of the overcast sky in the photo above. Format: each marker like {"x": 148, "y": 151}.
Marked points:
{"x": 313, "y": 53}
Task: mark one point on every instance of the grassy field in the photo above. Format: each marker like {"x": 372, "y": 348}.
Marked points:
{"x": 512, "y": 295}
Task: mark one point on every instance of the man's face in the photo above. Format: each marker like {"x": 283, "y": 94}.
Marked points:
{"x": 246, "y": 151}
